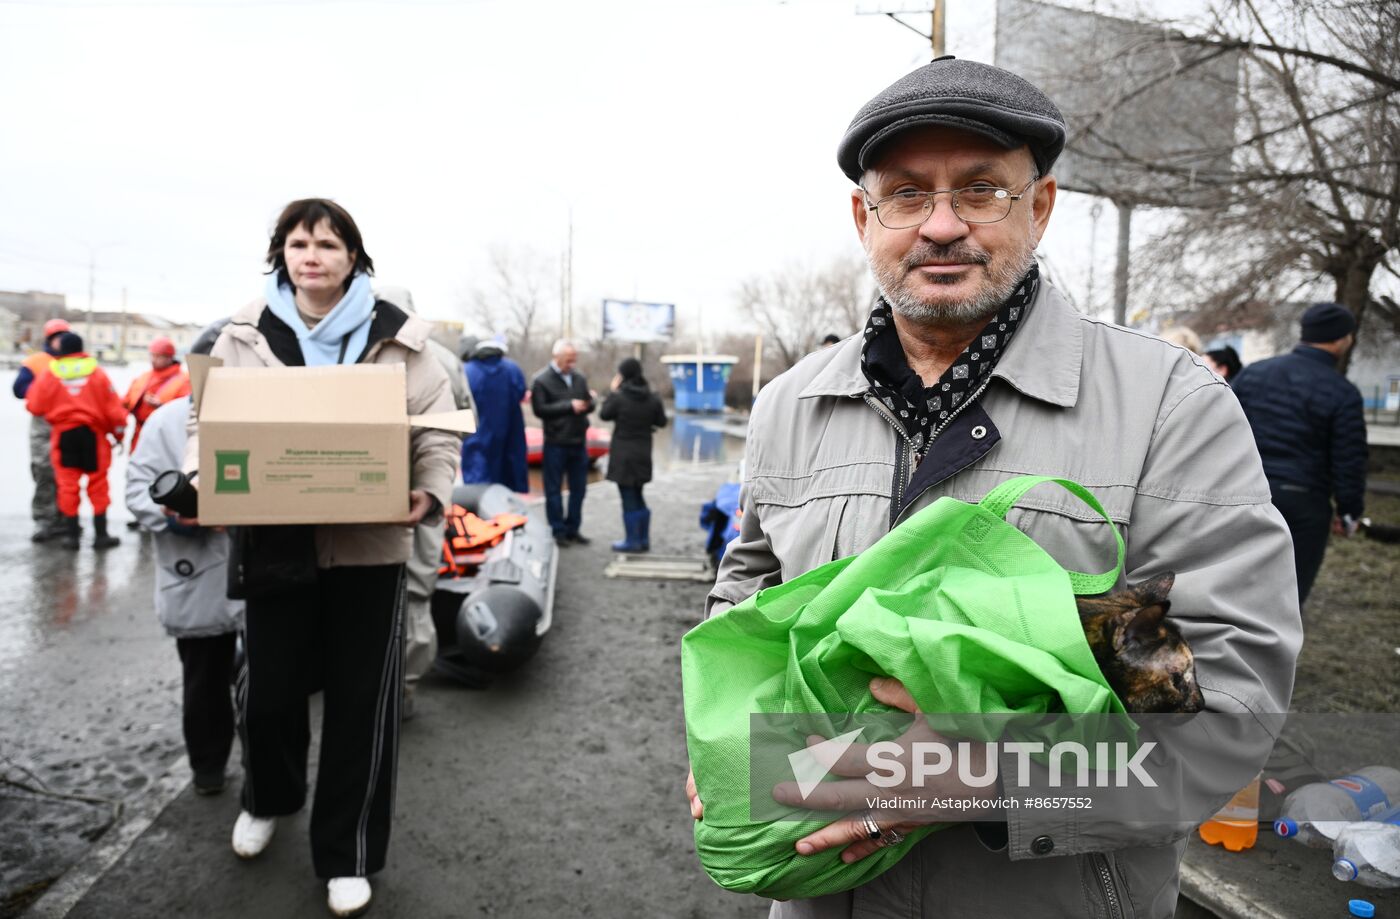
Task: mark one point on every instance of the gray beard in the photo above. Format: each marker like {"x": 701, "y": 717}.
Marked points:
{"x": 1003, "y": 282}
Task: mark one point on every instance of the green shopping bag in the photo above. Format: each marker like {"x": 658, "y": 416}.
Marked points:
{"x": 962, "y": 607}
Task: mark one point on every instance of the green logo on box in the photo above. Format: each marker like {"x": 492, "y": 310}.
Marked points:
{"x": 232, "y": 466}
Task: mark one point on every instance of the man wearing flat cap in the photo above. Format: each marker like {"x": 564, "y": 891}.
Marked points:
{"x": 1311, "y": 431}
{"x": 973, "y": 369}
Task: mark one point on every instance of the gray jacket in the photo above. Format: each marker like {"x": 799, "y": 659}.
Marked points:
{"x": 191, "y": 569}
{"x": 1163, "y": 444}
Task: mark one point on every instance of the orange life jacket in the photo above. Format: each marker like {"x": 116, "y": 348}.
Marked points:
{"x": 38, "y": 362}
{"x": 153, "y": 389}
{"x": 466, "y": 537}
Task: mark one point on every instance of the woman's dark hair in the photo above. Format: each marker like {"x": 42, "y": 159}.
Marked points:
{"x": 630, "y": 368}
{"x": 1228, "y": 358}
{"x": 309, "y": 212}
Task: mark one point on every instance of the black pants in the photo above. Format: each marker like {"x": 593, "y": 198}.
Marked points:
{"x": 565, "y": 462}
{"x": 208, "y": 712}
{"x": 345, "y": 635}
{"x": 632, "y": 499}
{"x": 1308, "y": 514}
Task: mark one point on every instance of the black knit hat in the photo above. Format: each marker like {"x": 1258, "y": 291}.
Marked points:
{"x": 960, "y": 94}
{"x": 68, "y": 343}
{"x": 1327, "y": 322}
{"x": 629, "y": 368}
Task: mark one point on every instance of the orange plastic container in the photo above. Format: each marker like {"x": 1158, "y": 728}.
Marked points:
{"x": 1236, "y": 826}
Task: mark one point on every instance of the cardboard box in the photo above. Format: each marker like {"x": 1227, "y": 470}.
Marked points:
{"x": 306, "y": 444}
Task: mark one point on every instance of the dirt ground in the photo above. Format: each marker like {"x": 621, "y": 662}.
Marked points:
{"x": 1351, "y": 649}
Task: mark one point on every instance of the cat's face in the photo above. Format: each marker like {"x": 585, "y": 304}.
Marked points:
{"x": 1142, "y": 654}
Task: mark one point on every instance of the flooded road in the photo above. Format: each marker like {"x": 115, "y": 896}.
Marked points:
{"x": 42, "y": 588}
{"x": 687, "y": 440}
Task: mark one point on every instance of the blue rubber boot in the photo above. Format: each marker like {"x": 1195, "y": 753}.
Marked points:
{"x": 633, "y": 542}
{"x": 644, "y": 529}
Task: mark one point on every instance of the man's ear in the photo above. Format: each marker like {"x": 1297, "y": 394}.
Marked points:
{"x": 1042, "y": 204}
{"x": 859, "y": 212}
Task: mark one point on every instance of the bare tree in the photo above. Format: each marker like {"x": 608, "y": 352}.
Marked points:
{"x": 514, "y": 297}
{"x": 796, "y": 306}
{"x": 1310, "y": 203}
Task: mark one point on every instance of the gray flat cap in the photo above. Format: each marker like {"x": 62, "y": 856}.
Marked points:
{"x": 962, "y": 94}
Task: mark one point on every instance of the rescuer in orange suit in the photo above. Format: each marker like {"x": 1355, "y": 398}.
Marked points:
{"x": 77, "y": 398}
{"x": 165, "y": 382}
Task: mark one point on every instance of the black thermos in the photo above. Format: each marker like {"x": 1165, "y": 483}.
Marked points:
{"x": 172, "y": 489}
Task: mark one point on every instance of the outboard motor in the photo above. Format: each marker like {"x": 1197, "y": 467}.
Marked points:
{"x": 493, "y": 620}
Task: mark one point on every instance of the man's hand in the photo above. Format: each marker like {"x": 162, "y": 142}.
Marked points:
{"x": 181, "y": 526}
{"x": 854, "y": 794}
{"x": 419, "y": 504}
{"x": 580, "y": 406}
{"x": 697, "y": 807}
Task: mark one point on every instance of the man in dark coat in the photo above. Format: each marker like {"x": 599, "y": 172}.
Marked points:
{"x": 637, "y": 411}
{"x": 559, "y": 396}
{"x": 496, "y": 452}
{"x": 1311, "y": 432}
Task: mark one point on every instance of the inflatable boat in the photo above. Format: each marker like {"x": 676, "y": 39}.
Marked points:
{"x": 494, "y": 598}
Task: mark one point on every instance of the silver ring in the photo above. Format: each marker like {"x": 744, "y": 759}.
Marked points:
{"x": 872, "y": 829}
{"x": 891, "y": 838}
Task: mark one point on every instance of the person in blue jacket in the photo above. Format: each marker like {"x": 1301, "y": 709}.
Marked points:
{"x": 496, "y": 452}
{"x": 1311, "y": 432}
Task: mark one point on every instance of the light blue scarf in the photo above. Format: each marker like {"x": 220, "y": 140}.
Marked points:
{"x": 345, "y": 330}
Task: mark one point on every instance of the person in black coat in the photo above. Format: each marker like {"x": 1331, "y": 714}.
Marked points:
{"x": 637, "y": 412}
{"x": 560, "y": 397}
{"x": 1310, "y": 428}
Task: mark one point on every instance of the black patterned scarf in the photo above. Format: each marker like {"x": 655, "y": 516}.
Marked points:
{"x": 922, "y": 411}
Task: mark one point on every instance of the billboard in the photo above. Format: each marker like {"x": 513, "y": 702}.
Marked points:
{"x": 629, "y": 320}
{"x": 1132, "y": 93}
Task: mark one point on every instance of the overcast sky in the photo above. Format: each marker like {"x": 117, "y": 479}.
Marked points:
{"x": 693, "y": 141}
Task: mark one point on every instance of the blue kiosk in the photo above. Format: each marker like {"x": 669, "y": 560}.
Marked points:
{"x": 699, "y": 380}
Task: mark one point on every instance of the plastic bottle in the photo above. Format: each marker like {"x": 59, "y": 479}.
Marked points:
{"x": 1236, "y": 825}
{"x": 1369, "y": 852}
{"x": 1316, "y": 813}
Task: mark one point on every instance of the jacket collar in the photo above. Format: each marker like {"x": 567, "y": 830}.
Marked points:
{"x": 390, "y": 323}
{"x": 1315, "y": 354}
{"x": 1042, "y": 361}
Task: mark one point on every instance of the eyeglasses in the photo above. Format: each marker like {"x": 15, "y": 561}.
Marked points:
{"x": 973, "y": 204}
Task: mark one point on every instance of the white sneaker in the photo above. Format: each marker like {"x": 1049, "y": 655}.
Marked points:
{"x": 252, "y": 834}
{"x": 348, "y": 896}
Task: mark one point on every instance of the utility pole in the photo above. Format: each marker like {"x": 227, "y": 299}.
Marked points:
{"x": 938, "y": 16}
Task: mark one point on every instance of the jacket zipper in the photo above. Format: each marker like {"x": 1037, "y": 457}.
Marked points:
{"x": 904, "y": 455}
{"x": 1110, "y": 892}
{"x": 902, "y": 463}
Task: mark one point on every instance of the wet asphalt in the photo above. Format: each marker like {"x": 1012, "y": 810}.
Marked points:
{"x": 555, "y": 792}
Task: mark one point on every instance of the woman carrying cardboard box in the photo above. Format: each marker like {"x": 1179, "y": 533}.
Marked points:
{"x": 325, "y": 603}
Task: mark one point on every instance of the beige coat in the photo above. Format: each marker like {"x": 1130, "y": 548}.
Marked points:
{"x": 433, "y": 454}
{"x": 1164, "y": 445}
